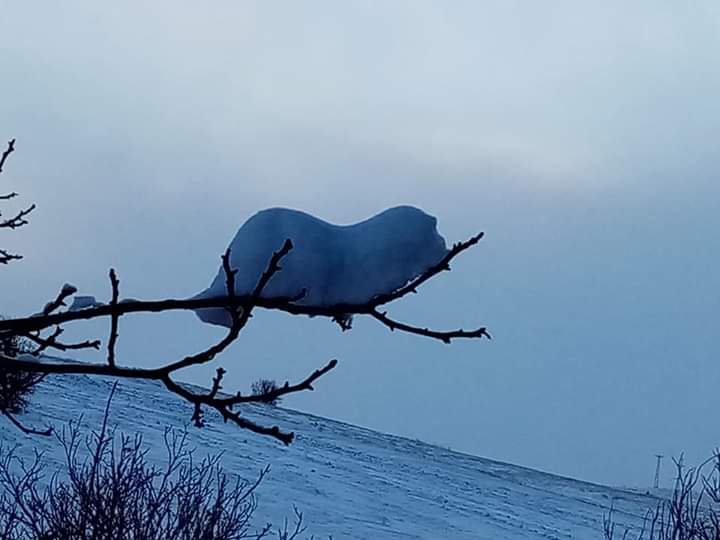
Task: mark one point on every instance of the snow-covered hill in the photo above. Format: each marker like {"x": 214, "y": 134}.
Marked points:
{"x": 351, "y": 483}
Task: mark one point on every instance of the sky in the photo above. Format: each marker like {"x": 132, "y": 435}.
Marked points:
{"x": 581, "y": 138}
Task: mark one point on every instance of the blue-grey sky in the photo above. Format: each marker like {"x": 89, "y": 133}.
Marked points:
{"x": 582, "y": 138}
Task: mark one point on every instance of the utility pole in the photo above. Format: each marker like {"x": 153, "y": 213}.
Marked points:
{"x": 656, "y": 484}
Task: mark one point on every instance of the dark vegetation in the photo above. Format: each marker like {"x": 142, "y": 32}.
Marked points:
{"x": 267, "y": 389}
{"x": 691, "y": 513}
{"x": 109, "y": 490}
{"x": 16, "y": 386}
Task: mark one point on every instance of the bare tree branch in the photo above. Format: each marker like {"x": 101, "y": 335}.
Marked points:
{"x": 114, "y": 318}
{"x": 51, "y": 342}
{"x": 10, "y": 149}
{"x": 240, "y": 316}
{"x": 239, "y": 307}
{"x": 445, "y": 337}
{"x": 28, "y": 431}
{"x": 66, "y": 291}
{"x": 281, "y": 391}
{"x": 198, "y": 400}
{"x": 6, "y": 257}
{"x": 18, "y": 220}
{"x": 288, "y": 305}
{"x": 222, "y": 405}
{"x": 441, "y": 266}
{"x": 216, "y": 386}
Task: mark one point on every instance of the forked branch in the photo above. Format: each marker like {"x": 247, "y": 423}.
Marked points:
{"x": 256, "y": 300}
{"x": 9, "y": 150}
{"x": 240, "y": 314}
{"x": 19, "y": 219}
{"x": 239, "y": 308}
{"x": 443, "y": 265}
{"x": 26, "y": 430}
{"x": 6, "y": 257}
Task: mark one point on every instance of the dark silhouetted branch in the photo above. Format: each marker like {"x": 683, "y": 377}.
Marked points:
{"x": 240, "y": 308}
{"x": 28, "y": 431}
{"x": 51, "y": 342}
{"x": 18, "y": 220}
{"x": 6, "y": 257}
{"x": 9, "y": 150}
{"x": 66, "y": 291}
{"x": 445, "y": 337}
{"x": 443, "y": 265}
{"x": 289, "y": 305}
{"x": 272, "y": 268}
{"x": 280, "y": 391}
{"x": 216, "y": 386}
{"x": 240, "y": 315}
{"x": 224, "y": 405}
{"x": 114, "y": 318}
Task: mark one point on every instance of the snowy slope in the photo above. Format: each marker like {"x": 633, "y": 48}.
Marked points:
{"x": 351, "y": 482}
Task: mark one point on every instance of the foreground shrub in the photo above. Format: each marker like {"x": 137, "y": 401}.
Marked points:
{"x": 266, "y": 388}
{"x": 113, "y": 492}
{"x": 692, "y": 513}
{"x": 15, "y": 386}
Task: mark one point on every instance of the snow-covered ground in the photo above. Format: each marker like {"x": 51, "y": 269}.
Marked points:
{"x": 350, "y": 482}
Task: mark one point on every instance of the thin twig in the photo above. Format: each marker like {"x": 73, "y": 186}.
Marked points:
{"x": 441, "y": 266}
{"x": 18, "y": 220}
{"x": 272, "y": 268}
{"x": 6, "y": 257}
{"x": 114, "y": 318}
{"x": 28, "y": 431}
{"x": 445, "y": 337}
{"x": 10, "y": 149}
{"x": 66, "y": 291}
{"x": 216, "y": 386}
{"x": 281, "y": 391}
{"x": 51, "y": 342}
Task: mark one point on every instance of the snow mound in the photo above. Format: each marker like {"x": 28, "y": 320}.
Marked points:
{"x": 334, "y": 264}
{"x": 84, "y": 302}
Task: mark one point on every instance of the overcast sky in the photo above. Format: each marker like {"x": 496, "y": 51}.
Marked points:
{"x": 581, "y": 137}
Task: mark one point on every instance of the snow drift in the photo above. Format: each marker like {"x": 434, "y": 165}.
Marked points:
{"x": 334, "y": 264}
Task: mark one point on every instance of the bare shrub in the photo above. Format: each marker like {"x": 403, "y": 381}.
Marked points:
{"x": 691, "y": 513}
{"x": 266, "y": 390}
{"x": 15, "y": 386}
{"x": 111, "y": 491}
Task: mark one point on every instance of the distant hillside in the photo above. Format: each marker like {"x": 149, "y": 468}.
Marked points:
{"x": 350, "y": 482}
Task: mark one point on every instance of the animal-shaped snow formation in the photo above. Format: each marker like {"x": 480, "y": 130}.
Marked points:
{"x": 334, "y": 264}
